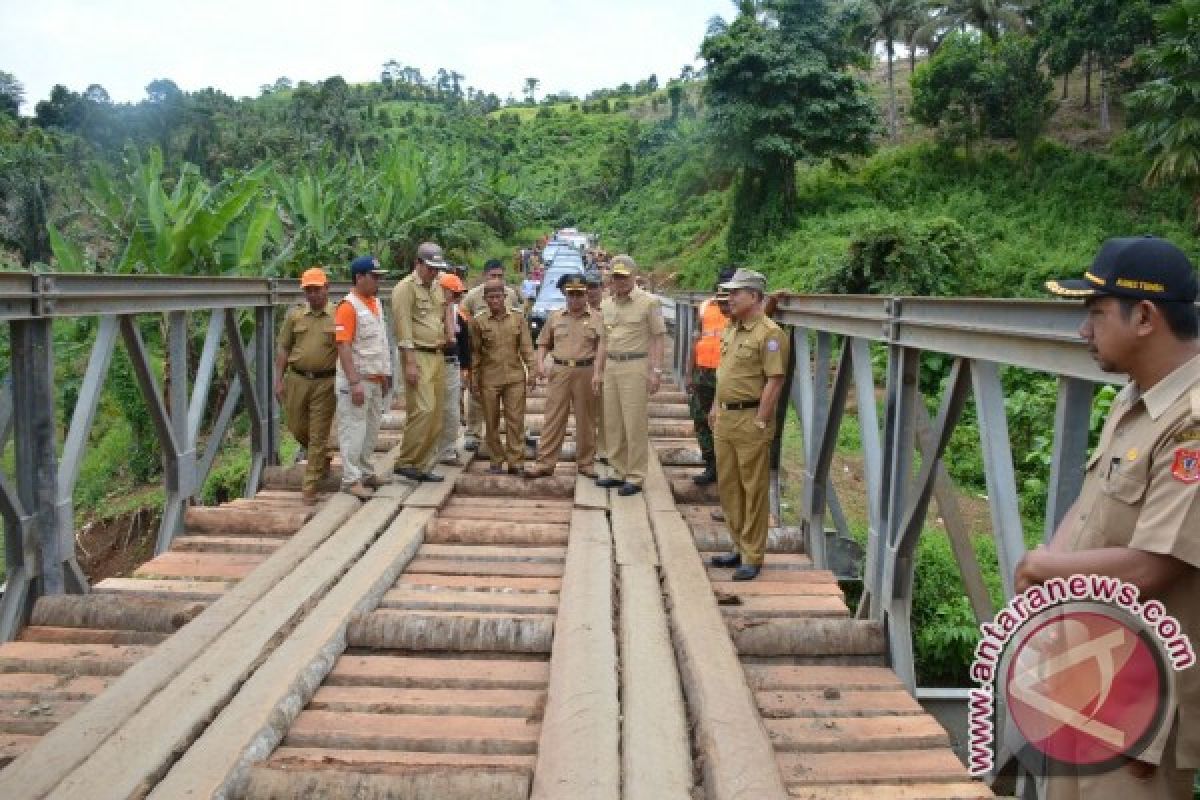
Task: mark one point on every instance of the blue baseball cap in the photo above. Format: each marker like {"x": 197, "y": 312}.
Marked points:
{"x": 365, "y": 265}
{"x": 1139, "y": 267}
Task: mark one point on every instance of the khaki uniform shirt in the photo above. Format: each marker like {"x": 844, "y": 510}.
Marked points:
{"x": 751, "y": 351}
{"x": 1142, "y": 490}
{"x": 419, "y": 313}
{"x": 475, "y": 305}
{"x": 501, "y": 349}
{"x": 569, "y": 337}
{"x": 629, "y": 323}
{"x": 307, "y": 335}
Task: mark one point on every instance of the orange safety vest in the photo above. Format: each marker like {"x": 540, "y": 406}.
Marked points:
{"x": 712, "y": 325}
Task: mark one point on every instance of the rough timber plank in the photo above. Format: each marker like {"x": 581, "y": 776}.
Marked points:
{"x": 632, "y": 537}
{"x": 738, "y": 759}
{"x": 438, "y": 673}
{"x": 250, "y": 726}
{"x": 164, "y": 726}
{"x": 581, "y": 706}
{"x": 656, "y": 751}
{"x": 882, "y": 767}
{"x": 589, "y": 495}
{"x": 844, "y": 734}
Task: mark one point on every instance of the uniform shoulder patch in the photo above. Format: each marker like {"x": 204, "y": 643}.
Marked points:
{"x": 772, "y": 345}
{"x": 1186, "y": 468}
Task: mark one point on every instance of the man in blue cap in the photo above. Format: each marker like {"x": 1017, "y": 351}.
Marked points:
{"x": 364, "y": 375}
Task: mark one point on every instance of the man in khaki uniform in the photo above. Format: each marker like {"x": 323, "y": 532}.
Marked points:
{"x": 629, "y": 368}
{"x": 502, "y": 363}
{"x": 420, "y": 314}
{"x": 595, "y": 296}
{"x": 571, "y": 336}
{"x": 1138, "y": 514}
{"x": 473, "y": 305}
{"x": 364, "y": 375}
{"x": 749, "y": 381}
{"x": 304, "y": 368}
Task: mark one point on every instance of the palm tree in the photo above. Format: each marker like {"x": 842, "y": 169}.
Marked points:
{"x": 989, "y": 17}
{"x": 1169, "y": 104}
{"x": 889, "y": 20}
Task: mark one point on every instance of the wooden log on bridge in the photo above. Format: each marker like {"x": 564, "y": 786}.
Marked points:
{"x": 452, "y": 631}
{"x": 824, "y": 638}
{"x": 226, "y": 521}
{"x": 114, "y": 613}
{"x": 514, "y": 485}
{"x": 433, "y": 775}
{"x": 502, "y": 532}
{"x": 292, "y": 478}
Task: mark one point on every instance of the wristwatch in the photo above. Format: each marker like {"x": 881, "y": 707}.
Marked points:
{"x": 657, "y": 371}
{"x": 760, "y": 424}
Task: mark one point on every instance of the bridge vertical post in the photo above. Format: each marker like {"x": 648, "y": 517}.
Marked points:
{"x": 264, "y": 359}
{"x": 1072, "y": 418}
{"x": 179, "y": 452}
{"x": 36, "y": 448}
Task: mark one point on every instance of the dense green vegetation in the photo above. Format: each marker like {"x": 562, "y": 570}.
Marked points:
{"x": 954, "y": 168}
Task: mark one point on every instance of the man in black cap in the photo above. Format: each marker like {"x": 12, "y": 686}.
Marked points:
{"x": 1138, "y": 514}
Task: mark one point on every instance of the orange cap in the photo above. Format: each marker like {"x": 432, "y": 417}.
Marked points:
{"x": 313, "y": 277}
{"x": 451, "y": 282}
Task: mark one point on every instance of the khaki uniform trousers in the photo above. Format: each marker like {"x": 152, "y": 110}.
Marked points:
{"x": 569, "y": 391}
{"x": 309, "y": 406}
{"x": 358, "y": 430}
{"x": 743, "y": 479}
{"x": 474, "y": 419}
{"x": 1167, "y": 782}
{"x": 423, "y": 402}
{"x": 512, "y": 397}
{"x": 625, "y": 416}
{"x": 451, "y": 414}
{"x": 597, "y": 402}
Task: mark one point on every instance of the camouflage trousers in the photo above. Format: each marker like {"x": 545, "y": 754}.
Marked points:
{"x": 700, "y": 402}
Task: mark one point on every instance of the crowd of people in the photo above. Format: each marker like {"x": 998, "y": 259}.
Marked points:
{"x": 600, "y": 357}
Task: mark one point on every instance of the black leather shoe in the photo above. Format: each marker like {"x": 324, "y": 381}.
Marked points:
{"x": 431, "y": 477}
{"x": 628, "y": 488}
{"x": 609, "y": 483}
{"x": 602, "y": 460}
{"x": 727, "y": 560}
{"x": 746, "y": 572}
{"x": 472, "y": 445}
{"x": 705, "y": 478}
{"x": 410, "y": 473}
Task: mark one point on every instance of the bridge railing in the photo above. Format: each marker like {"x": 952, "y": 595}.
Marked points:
{"x": 36, "y": 503}
{"x": 832, "y": 340}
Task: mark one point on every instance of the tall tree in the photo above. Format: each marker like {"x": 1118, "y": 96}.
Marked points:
{"x": 12, "y": 94}
{"x": 1168, "y": 105}
{"x": 989, "y": 17}
{"x": 889, "y": 20}
{"x": 779, "y": 94}
{"x": 530, "y": 89}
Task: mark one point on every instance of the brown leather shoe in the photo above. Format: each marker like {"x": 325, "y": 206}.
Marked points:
{"x": 537, "y": 472}
{"x": 718, "y": 516}
{"x": 310, "y": 497}
{"x": 359, "y": 491}
{"x": 372, "y": 482}
{"x": 588, "y": 472}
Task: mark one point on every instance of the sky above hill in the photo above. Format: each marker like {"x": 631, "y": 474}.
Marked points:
{"x": 237, "y": 46}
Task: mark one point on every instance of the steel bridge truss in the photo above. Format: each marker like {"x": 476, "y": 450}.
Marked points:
{"x": 36, "y": 503}
{"x": 833, "y": 338}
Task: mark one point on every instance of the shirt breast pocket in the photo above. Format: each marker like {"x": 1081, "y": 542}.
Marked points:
{"x": 746, "y": 352}
{"x": 300, "y": 327}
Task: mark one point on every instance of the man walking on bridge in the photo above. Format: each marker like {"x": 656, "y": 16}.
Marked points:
{"x": 1138, "y": 514}
{"x": 364, "y": 376}
{"x": 749, "y": 381}
{"x": 423, "y": 328}
{"x": 305, "y": 365}
{"x": 629, "y": 368}
{"x": 571, "y": 337}
{"x": 502, "y": 362}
